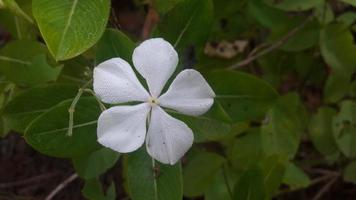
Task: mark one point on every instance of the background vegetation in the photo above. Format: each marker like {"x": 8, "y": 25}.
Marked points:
{"x": 283, "y": 125}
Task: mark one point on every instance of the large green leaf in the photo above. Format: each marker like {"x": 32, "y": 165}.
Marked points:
{"x": 114, "y": 43}
{"x": 337, "y": 48}
{"x": 95, "y": 163}
{"x": 246, "y": 150}
{"x": 243, "y": 96}
{"x": 70, "y": 27}
{"x": 293, "y": 5}
{"x": 188, "y": 23}
{"x": 222, "y": 185}
{"x": 199, "y": 172}
{"x": 149, "y": 180}
{"x": 344, "y": 128}
{"x": 28, "y": 105}
{"x": 251, "y": 185}
{"x": 295, "y": 178}
{"x": 336, "y": 87}
{"x": 285, "y": 125}
{"x": 28, "y": 65}
{"x": 93, "y": 190}
{"x": 273, "y": 171}
{"x": 48, "y": 132}
{"x": 212, "y": 126}
{"x": 320, "y": 130}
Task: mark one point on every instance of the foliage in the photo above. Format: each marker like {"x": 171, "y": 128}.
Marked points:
{"x": 293, "y": 82}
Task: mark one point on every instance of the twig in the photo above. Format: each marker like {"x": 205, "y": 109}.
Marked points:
{"x": 151, "y": 21}
{"x": 325, "y": 189}
{"x": 26, "y": 181}
{"x": 61, "y": 186}
{"x": 276, "y": 45}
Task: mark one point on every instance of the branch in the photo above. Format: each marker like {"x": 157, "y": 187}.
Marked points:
{"x": 326, "y": 177}
{"x": 325, "y": 189}
{"x": 61, "y": 186}
{"x": 277, "y": 44}
{"x": 27, "y": 181}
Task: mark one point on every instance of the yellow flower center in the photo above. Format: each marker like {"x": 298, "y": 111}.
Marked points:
{"x": 153, "y": 101}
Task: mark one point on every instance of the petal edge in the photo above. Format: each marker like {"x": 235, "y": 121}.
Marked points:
{"x": 123, "y": 128}
{"x": 156, "y": 60}
{"x": 189, "y": 94}
{"x": 168, "y": 139}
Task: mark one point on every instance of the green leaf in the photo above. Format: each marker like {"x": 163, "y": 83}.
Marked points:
{"x": 93, "y": 190}
{"x": 212, "y": 126}
{"x": 336, "y": 87}
{"x": 48, "y": 132}
{"x": 295, "y": 178}
{"x": 246, "y": 150}
{"x": 266, "y": 15}
{"x": 344, "y": 128}
{"x": 293, "y": 5}
{"x": 198, "y": 174}
{"x": 243, "y": 96}
{"x": 163, "y": 6}
{"x": 250, "y": 186}
{"x": 31, "y": 103}
{"x": 348, "y": 18}
{"x": 15, "y": 8}
{"x": 70, "y": 27}
{"x": 150, "y": 180}
{"x": 324, "y": 13}
{"x": 349, "y": 174}
{"x": 28, "y": 65}
{"x": 95, "y": 163}
{"x": 337, "y": 48}
{"x": 219, "y": 188}
{"x": 320, "y": 130}
{"x": 114, "y": 43}
{"x": 4, "y": 129}
{"x": 18, "y": 27}
{"x": 305, "y": 38}
{"x": 273, "y": 171}
{"x": 187, "y": 24}
{"x": 351, "y": 2}
{"x": 285, "y": 124}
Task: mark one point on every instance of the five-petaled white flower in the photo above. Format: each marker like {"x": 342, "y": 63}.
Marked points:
{"x": 123, "y": 128}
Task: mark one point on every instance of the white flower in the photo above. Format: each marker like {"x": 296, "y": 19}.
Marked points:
{"x": 123, "y": 128}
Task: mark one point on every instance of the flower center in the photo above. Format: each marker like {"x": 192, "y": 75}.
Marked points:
{"x": 153, "y": 101}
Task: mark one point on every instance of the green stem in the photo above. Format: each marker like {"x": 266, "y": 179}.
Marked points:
{"x": 102, "y": 106}
{"x": 71, "y": 109}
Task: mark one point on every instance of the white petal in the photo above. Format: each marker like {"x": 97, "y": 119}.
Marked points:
{"x": 189, "y": 93}
{"x": 155, "y": 59}
{"x": 168, "y": 139}
{"x": 123, "y": 128}
{"x": 116, "y": 82}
